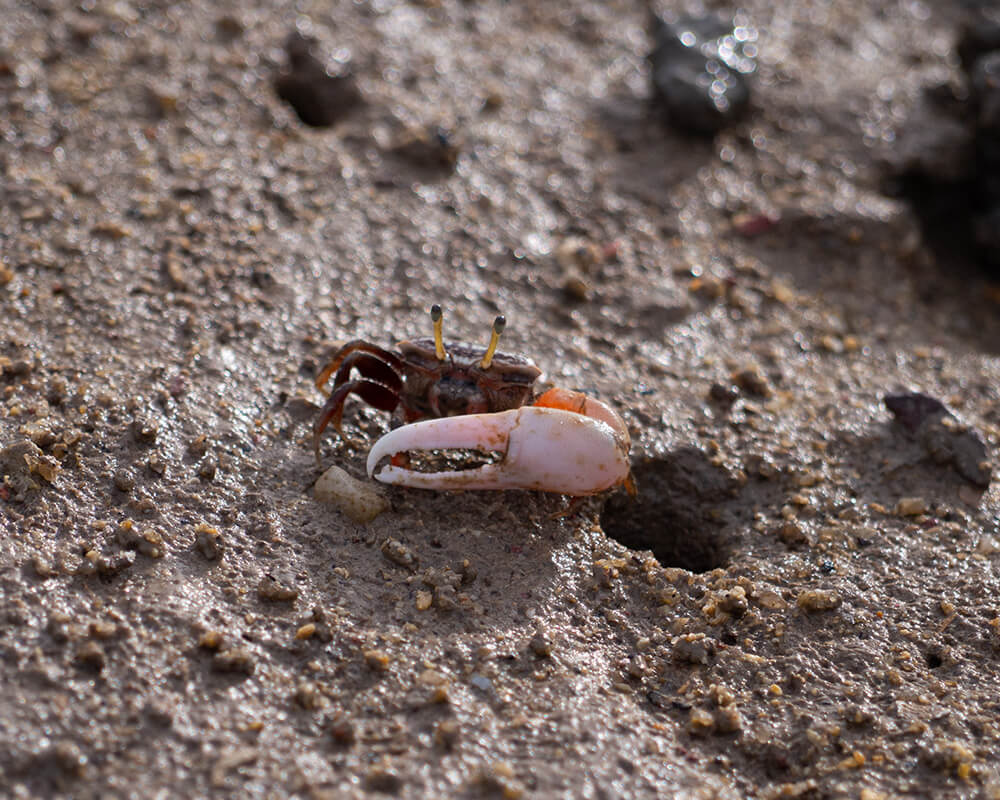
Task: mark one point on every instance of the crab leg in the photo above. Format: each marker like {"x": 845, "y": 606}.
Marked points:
{"x": 547, "y": 449}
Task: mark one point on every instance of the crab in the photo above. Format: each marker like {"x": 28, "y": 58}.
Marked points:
{"x": 460, "y": 396}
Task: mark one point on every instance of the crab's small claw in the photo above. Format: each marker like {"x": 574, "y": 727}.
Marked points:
{"x": 547, "y": 449}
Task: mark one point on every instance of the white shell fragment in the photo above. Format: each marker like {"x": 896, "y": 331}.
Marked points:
{"x": 359, "y": 500}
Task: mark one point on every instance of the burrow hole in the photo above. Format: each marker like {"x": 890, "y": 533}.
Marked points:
{"x": 676, "y": 512}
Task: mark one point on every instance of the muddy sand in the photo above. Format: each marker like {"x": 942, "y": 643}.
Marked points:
{"x": 802, "y": 601}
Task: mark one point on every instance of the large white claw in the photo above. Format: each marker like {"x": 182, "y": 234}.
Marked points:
{"x": 545, "y": 448}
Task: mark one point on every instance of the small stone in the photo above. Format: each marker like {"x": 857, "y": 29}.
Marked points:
{"x": 377, "y": 660}
{"x": 90, "y": 655}
{"x": 384, "y": 781}
{"x": 431, "y": 677}
{"x": 728, "y": 720}
{"x": 734, "y": 601}
{"x": 211, "y": 640}
{"x": 791, "y": 533}
{"x": 540, "y": 646}
{"x": 208, "y": 541}
{"x": 124, "y": 480}
{"x": 110, "y": 229}
{"x": 498, "y": 780}
{"x": 724, "y": 394}
{"x": 43, "y": 569}
{"x": 814, "y": 600}
{"x": 700, "y": 722}
{"x": 19, "y": 462}
{"x": 911, "y": 506}
{"x": 752, "y": 381}
{"x": 424, "y": 600}
{"x": 698, "y": 69}
{"x": 66, "y": 757}
{"x": 579, "y": 255}
{"x": 272, "y": 591}
{"x": 308, "y": 697}
{"x": 306, "y": 631}
{"x": 576, "y": 287}
{"x": 446, "y": 734}
{"x": 399, "y": 553}
{"x": 145, "y": 430}
{"x": 693, "y": 648}
{"x": 432, "y": 148}
{"x": 359, "y": 500}
{"x": 235, "y": 660}
{"x": 207, "y": 468}
{"x": 148, "y": 542}
{"x": 342, "y": 733}
{"x": 102, "y": 630}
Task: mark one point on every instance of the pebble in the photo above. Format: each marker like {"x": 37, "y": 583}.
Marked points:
{"x": 359, "y": 500}
{"x": 124, "y": 480}
{"x": 700, "y": 722}
{"x": 911, "y": 506}
{"x": 723, "y": 393}
{"x": 317, "y": 97}
{"x": 145, "y": 430}
{"x": 446, "y": 734}
{"x": 540, "y": 646}
{"x": 576, "y": 254}
{"x": 791, "y": 533}
{"x": 211, "y": 640}
{"x": 91, "y": 656}
{"x": 272, "y": 591}
{"x": 308, "y": 697}
{"x": 377, "y": 660}
{"x": 207, "y": 468}
{"x": 342, "y": 732}
{"x": 22, "y": 460}
{"x": 235, "y": 660}
{"x": 814, "y": 600}
{"x": 752, "y": 381}
{"x": 384, "y": 781}
{"x": 306, "y": 631}
{"x": 398, "y": 553}
{"x": 693, "y": 648}
{"x": 147, "y": 542}
{"x": 208, "y": 541}
{"x": 433, "y": 148}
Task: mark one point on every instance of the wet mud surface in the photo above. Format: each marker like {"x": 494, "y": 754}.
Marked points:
{"x": 802, "y": 601}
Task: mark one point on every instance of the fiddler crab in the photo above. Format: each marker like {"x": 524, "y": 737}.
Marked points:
{"x": 481, "y": 399}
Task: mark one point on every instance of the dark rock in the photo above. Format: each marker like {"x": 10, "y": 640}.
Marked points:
{"x": 980, "y": 35}
{"x": 912, "y": 409}
{"x": 943, "y": 436}
{"x": 699, "y": 66}
{"x": 319, "y": 98}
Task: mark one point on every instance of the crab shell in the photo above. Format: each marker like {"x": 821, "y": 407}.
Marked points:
{"x": 567, "y": 443}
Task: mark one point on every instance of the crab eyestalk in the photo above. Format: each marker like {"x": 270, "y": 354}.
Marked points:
{"x": 436, "y": 318}
{"x": 498, "y": 325}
